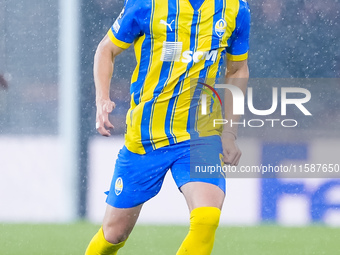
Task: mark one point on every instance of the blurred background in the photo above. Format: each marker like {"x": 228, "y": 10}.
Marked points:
{"x": 54, "y": 167}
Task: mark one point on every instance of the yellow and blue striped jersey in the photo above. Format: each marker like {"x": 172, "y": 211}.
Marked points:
{"x": 175, "y": 44}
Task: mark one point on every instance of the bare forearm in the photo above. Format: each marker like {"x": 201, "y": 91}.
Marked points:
{"x": 103, "y": 69}
{"x": 238, "y": 78}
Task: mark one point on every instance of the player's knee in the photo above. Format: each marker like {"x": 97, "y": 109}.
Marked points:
{"x": 113, "y": 235}
{"x": 205, "y": 218}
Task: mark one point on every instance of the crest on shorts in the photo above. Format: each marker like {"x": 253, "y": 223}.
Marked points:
{"x": 119, "y": 186}
{"x": 220, "y": 27}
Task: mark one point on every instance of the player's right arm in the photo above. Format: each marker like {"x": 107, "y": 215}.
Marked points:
{"x": 121, "y": 35}
{"x": 103, "y": 70}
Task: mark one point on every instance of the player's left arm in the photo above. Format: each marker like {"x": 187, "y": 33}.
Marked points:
{"x": 237, "y": 74}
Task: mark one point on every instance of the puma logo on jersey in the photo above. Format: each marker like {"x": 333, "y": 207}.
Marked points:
{"x": 166, "y": 24}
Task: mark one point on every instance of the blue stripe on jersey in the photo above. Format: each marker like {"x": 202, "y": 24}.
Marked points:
{"x": 224, "y": 2}
{"x": 196, "y": 4}
{"x": 145, "y": 62}
{"x": 238, "y": 26}
{"x": 172, "y": 103}
{"x": 138, "y": 85}
{"x": 171, "y": 109}
{"x": 224, "y": 51}
{"x": 166, "y": 71}
{"x": 215, "y": 41}
{"x": 145, "y": 137}
{"x": 191, "y": 124}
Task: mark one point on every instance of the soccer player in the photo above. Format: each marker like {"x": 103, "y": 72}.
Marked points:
{"x": 176, "y": 42}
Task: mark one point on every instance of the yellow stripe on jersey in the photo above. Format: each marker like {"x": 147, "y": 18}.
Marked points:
{"x": 231, "y": 11}
{"x": 138, "y": 54}
{"x": 162, "y": 101}
{"x": 134, "y": 133}
{"x": 180, "y": 112}
{"x": 133, "y": 120}
{"x": 178, "y": 68}
{"x": 237, "y": 57}
{"x": 117, "y": 42}
{"x": 225, "y": 38}
{"x": 203, "y": 44}
{"x": 155, "y": 125}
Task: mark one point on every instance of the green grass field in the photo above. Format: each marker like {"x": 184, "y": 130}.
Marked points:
{"x": 27, "y": 239}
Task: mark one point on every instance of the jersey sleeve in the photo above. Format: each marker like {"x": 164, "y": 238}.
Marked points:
{"x": 239, "y": 43}
{"x": 126, "y": 27}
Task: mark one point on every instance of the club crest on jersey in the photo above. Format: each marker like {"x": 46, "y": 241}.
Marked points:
{"x": 220, "y": 27}
{"x": 119, "y": 186}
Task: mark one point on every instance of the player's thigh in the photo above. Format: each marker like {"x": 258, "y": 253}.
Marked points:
{"x": 137, "y": 178}
{"x": 118, "y": 223}
{"x": 202, "y": 194}
{"x": 200, "y": 189}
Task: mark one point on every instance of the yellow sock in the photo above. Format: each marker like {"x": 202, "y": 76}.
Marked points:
{"x": 201, "y": 236}
{"x": 99, "y": 245}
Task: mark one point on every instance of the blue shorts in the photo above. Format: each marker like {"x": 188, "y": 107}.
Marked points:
{"x": 137, "y": 178}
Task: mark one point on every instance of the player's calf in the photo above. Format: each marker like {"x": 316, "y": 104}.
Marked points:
{"x": 200, "y": 239}
{"x": 100, "y": 246}
{"x": 117, "y": 226}
{"x": 114, "y": 235}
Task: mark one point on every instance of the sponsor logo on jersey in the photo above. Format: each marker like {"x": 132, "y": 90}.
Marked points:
{"x": 119, "y": 186}
{"x": 220, "y": 27}
{"x": 172, "y": 51}
{"x": 198, "y": 56}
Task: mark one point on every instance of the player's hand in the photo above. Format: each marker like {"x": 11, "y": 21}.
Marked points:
{"x": 104, "y": 107}
{"x": 231, "y": 152}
